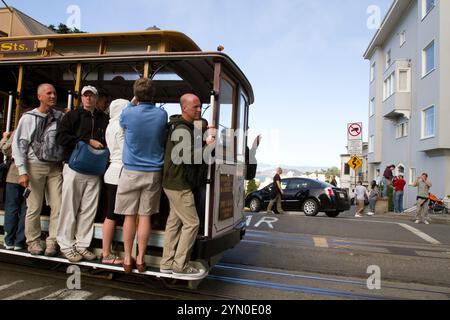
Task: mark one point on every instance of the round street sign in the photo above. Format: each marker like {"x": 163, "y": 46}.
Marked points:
{"x": 355, "y": 131}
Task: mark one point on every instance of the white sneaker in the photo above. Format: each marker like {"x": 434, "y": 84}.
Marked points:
{"x": 370, "y": 214}
{"x": 8, "y": 247}
{"x": 190, "y": 272}
{"x": 426, "y": 222}
{"x": 358, "y": 216}
{"x": 86, "y": 254}
{"x": 417, "y": 222}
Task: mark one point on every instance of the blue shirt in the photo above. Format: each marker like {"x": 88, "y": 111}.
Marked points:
{"x": 145, "y": 128}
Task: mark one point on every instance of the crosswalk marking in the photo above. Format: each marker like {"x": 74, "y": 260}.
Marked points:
{"x": 25, "y": 293}
{"x": 420, "y": 234}
{"x": 66, "y": 294}
{"x": 6, "y": 286}
{"x": 112, "y": 298}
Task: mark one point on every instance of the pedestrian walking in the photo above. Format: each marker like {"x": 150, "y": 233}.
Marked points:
{"x": 362, "y": 195}
{"x": 423, "y": 185}
{"x": 373, "y": 197}
{"x": 277, "y": 193}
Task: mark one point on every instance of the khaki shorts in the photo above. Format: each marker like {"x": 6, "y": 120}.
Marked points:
{"x": 361, "y": 204}
{"x": 138, "y": 193}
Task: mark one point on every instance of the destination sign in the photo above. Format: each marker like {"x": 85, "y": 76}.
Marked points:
{"x": 19, "y": 46}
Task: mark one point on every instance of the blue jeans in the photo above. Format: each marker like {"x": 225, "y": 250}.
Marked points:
{"x": 398, "y": 202}
{"x": 386, "y": 184}
{"x": 15, "y": 211}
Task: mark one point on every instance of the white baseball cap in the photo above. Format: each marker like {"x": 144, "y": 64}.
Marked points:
{"x": 89, "y": 88}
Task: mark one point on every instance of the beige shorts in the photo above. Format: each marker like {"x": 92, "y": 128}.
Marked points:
{"x": 138, "y": 193}
{"x": 361, "y": 204}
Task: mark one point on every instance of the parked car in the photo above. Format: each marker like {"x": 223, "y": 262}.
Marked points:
{"x": 305, "y": 195}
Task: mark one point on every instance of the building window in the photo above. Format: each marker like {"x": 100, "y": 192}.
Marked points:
{"x": 428, "y": 59}
{"x": 372, "y": 144}
{"x": 402, "y": 38}
{"x": 402, "y": 130}
{"x": 428, "y": 122}
{"x": 388, "y": 58}
{"x": 372, "y": 72}
{"x": 388, "y": 88}
{"x": 404, "y": 81}
{"x": 346, "y": 169}
{"x": 427, "y": 6}
{"x": 372, "y": 107}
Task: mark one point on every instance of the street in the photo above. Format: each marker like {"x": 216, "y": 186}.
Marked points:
{"x": 284, "y": 257}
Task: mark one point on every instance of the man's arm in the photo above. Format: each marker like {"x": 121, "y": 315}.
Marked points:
{"x": 21, "y": 143}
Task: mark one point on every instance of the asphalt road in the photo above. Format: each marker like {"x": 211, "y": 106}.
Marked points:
{"x": 283, "y": 257}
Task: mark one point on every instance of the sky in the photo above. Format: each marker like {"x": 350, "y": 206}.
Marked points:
{"x": 304, "y": 59}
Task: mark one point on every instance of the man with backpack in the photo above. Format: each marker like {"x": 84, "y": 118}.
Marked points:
{"x": 183, "y": 222}
{"x": 39, "y": 161}
{"x": 83, "y": 128}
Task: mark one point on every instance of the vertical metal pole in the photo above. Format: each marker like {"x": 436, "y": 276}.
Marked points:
{"x": 10, "y": 106}
{"x": 78, "y": 86}
{"x": 208, "y": 185}
{"x": 70, "y": 100}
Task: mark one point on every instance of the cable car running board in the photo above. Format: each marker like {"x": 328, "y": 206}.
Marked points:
{"x": 98, "y": 265}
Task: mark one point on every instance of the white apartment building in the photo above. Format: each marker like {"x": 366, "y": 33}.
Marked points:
{"x": 409, "y": 102}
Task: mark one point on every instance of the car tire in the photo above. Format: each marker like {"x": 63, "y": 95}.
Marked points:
{"x": 310, "y": 207}
{"x": 255, "y": 205}
{"x": 333, "y": 214}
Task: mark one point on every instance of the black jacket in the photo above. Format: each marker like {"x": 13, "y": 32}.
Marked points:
{"x": 81, "y": 125}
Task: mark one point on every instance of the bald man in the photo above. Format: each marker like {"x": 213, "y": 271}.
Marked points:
{"x": 40, "y": 174}
{"x": 183, "y": 222}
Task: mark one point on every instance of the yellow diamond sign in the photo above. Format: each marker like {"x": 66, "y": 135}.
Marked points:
{"x": 355, "y": 163}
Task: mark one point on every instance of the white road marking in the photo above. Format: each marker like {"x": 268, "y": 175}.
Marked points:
{"x": 25, "y": 293}
{"x": 420, "y": 234}
{"x": 6, "y": 286}
{"x": 268, "y": 221}
{"x": 112, "y": 298}
{"x": 66, "y": 294}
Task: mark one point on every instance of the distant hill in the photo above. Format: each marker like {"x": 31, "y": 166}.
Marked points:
{"x": 264, "y": 167}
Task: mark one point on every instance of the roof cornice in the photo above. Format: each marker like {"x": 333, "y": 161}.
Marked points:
{"x": 390, "y": 21}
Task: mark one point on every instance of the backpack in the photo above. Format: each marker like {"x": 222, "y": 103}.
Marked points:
{"x": 196, "y": 175}
{"x": 44, "y": 143}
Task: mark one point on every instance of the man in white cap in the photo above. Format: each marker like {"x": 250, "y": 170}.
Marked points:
{"x": 80, "y": 192}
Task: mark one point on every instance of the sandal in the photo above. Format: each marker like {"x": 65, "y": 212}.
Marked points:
{"x": 112, "y": 259}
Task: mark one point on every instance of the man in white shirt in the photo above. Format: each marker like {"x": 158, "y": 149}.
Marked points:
{"x": 361, "y": 195}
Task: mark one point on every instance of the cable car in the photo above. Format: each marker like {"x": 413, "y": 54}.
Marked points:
{"x": 112, "y": 62}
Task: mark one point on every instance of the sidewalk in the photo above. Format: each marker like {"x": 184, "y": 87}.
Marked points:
{"x": 434, "y": 218}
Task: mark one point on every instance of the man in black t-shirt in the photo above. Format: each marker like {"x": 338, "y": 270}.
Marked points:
{"x": 276, "y": 194}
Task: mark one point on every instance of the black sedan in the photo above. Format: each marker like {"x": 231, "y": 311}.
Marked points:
{"x": 301, "y": 194}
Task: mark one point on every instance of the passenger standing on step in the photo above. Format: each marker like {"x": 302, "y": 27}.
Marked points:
{"x": 39, "y": 161}
{"x": 80, "y": 192}
{"x": 139, "y": 189}
{"x": 183, "y": 222}
{"x": 114, "y": 138}
{"x": 15, "y": 203}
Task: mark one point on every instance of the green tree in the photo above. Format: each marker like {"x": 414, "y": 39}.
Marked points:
{"x": 63, "y": 29}
{"x": 252, "y": 186}
{"x": 334, "y": 171}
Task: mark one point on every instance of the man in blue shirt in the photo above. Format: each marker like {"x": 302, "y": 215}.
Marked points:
{"x": 139, "y": 188}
